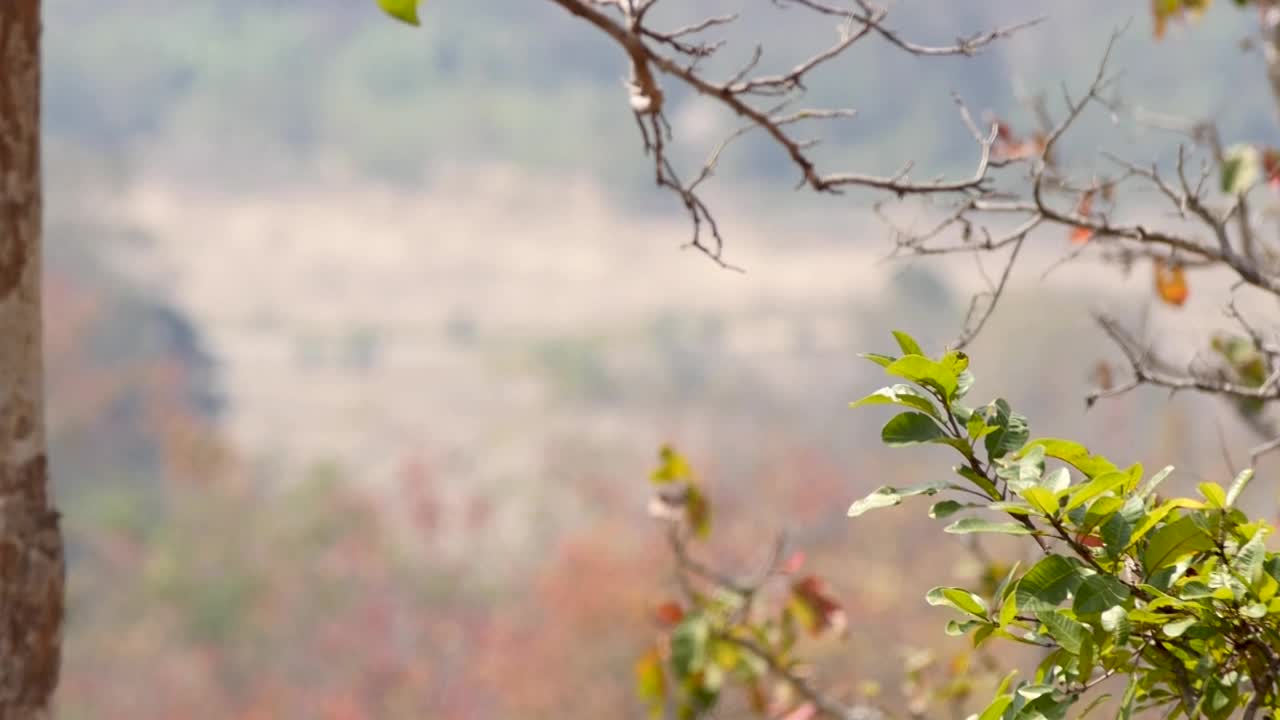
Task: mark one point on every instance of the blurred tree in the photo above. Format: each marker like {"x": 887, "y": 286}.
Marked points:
{"x": 31, "y": 555}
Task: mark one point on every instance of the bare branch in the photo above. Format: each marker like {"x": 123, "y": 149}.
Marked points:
{"x": 624, "y": 21}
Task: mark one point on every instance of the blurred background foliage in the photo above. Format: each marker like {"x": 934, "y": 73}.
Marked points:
{"x": 513, "y": 573}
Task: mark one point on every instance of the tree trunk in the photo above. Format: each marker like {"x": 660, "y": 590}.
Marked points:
{"x": 32, "y": 569}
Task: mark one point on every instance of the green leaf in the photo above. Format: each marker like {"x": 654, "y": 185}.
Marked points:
{"x": 1098, "y": 593}
{"x": 981, "y": 481}
{"x": 405, "y": 11}
{"x": 1031, "y": 692}
{"x": 907, "y": 343}
{"x": 1056, "y": 480}
{"x": 689, "y": 645}
{"x": 1087, "y": 656}
{"x": 996, "y": 709}
{"x": 887, "y": 496}
{"x": 1012, "y": 432}
{"x": 1117, "y": 529}
{"x": 964, "y": 382}
{"x": 977, "y": 427}
{"x": 1238, "y": 486}
{"x": 1047, "y": 584}
{"x": 1116, "y": 622}
{"x": 1214, "y": 493}
{"x": 1178, "y": 627}
{"x": 957, "y": 362}
{"x": 1040, "y": 498}
{"x": 1076, "y": 455}
{"x": 1103, "y": 483}
{"x": 881, "y": 360}
{"x": 1008, "y": 611}
{"x": 911, "y": 428}
{"x": 1154, "y": 482}
{"x": 923, "y": 371}
{"x": 1023, "y": 472}
{"x": 904, "y": 395}
{"x": 1173, "y": 541}
{"x": 966, "y": 526}
{"x": 1240, "y": 169}
{"x": 947, "y": 508}
{"x": 1249, "y": 559}
{"x": 1158, "y": 514}
{"x": 959, "y": 599}
{"x": 1069, "y": 633}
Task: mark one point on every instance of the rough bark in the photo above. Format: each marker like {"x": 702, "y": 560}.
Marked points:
{"x": 32, "y": 570}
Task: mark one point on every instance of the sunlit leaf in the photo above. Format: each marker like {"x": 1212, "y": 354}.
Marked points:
{"x": 1173, "y": 541}
{"x": 1047, "y": 584}
{"x": 877, "y": 358}
{"x": 925, "y": 372}
{"x": 1042, "y": 499}
{"x": 405, "y": 11}
{"x": 898, "y": 395}
{"x": 1103, "y": 483}
{"x": 672, "y": 467}
{"x": 907, "y": 343}
{"x": 967, "y": 526}
{"x": 887, "y": 496}
{"x": 1240, "y": 168}
{"x": 1214, "y": 493}
{"x": 1178, "y": 627}
{"x": 959, "y": 599}
{"x": 651, "y": 684}
{"x": 1074, "y": 454}
{"x": 1154, "y": 482}
{"x": 1012, "y": 430}
{"x": 1238, "y": 486}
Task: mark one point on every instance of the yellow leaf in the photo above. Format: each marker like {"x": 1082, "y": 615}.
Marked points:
{"x": 406, "y": 11}
{"x": 671, "y": 467}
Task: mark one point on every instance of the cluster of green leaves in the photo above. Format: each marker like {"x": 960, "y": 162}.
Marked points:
{"x": 1178, "y": 595}
{"x": 725, "y": 631}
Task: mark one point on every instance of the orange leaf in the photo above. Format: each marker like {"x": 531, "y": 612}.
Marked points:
{"x": 1271, "y": 166}
{"x": 669, "y": 613}
{"x": 1010, "y": 147}
{"x": 813, "y": 606}
{"x": 1092, "y": 541}
{"x": 1171, "y": 282}
{"x": 1161, "y": 11}
{"x": 1081, "y": 235}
